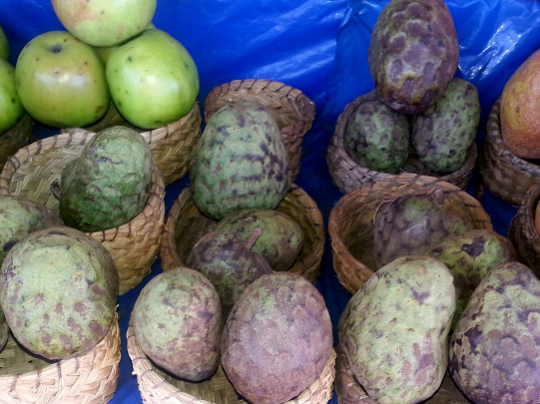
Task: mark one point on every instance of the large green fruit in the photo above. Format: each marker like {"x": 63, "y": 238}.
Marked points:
{"x": 59, "y": 292}
{"x": 4, "y": 45}
{"x": 241, "y": 162}
{"x": 10, "y": 104}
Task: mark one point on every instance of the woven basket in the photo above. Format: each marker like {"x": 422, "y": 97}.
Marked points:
{"x": 186, "y": 224}
{"x": 173, "y": 146}
{"x": 293, "y": 111}
{"x": 348, "y": 175}
{"x": 15, "y": 138}
{"x": 156, "y": 387}
{"x": 351, "y": 222}
{"x": 88, "y": 379}
{"x": 134, "y": 246}
{"x": 503, "y": 173}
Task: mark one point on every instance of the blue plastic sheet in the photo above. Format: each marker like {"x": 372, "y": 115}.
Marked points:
{"x": 319, "y": 47}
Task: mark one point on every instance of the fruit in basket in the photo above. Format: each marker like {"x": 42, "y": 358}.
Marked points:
{"x": 109, "y": 183}
{"x": 240, "y": 162}
{"x": 153, "y": 79}
{"x": 229, "y": 263}
{"x": 4, "y": 330}
{"x": 4, "y": 45}
{"x": 409, "y": 224}
{"x": 494, "y": 348}
{"x": 443, "y": 134}
{"x": 394, "y": 330}
{"x": 61, "y": 81}
{"x": 519, "y": 110}
{"x": 10, "y": 104}
{"x": 377, "y": 137}
{"x": 470, "y": 256}
{"x": 19, "y": 217}
{"x": 281, "y": 240}
{"x": 277, "y": 339}
{"x": 59, "y": 292}
{"x": 177, "y": 322}
{"x": 413, "y": 54}
{"x": 104, "y": 22}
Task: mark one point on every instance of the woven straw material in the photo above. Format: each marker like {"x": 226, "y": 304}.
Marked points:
{"x": 186, "y": 225}
{"x": 173, "y": 146}
{"x": 293, "y": 111}
{"x": 134, "y": 246}
{"x": 15, "y": 138}
{"x": 503, "y": 173}
{"x": 351, "y": 221}
{"x": 88, "y": 379}
{"x": 348, "y": 175}
{"x": 157, "y": 387}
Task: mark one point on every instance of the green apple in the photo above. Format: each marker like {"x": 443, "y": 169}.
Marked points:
{"x": 153, "y": 79}
{"x": 105, "y": 52}
{"x": 4, "y": 45}
{"x": 104, "y": 22}
{"x": 10, "y": 105}
{"x": 61, "y": 81}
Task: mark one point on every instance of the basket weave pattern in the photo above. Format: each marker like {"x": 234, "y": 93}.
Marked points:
{"x": 185, "y": 225}
{"x": 293, "y": 111}
{"x": 134, "y": 246}
{"x": 348, "y": 175}
{"x": 15, "y": 138}
{"x": 351, "y": 222}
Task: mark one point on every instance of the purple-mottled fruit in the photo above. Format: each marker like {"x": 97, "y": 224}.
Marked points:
{"x": 413, "y": 54}
{"x": 470, "y": 256}
{"x": 177, "y": 322}
{"x": 409, "y": 224}
{"x": 281, "y": 240}
{"x": 494, "y": 350}
{"x": 277, "y": 339}
{"x": 240, "y": 163}
{"x": 394, "y": 330}
{"x": 228, "y": 262}
{"x": 59, "y": 292}
{"x": 19, "y": 217}
{"x": 4, "y": 330}
{"x": 377, "y": 137}
{"x": 443, "y": 134}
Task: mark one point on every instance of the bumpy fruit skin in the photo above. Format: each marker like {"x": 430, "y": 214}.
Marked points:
{"x": 277, "y": 339}
{"x": 377, "y": 137}
{"x": 394, "y": 330}
{"x": 409, "y": 224}
{"x": 470, "y": 256}
{"x": 413, "y": 54}
{"x": 4, "y": 330}
{"x": 281, "y": 240}
{"x": 60, "y": 292}
{"x": 19, "y": 217}
{"x": 443, "y": 134}
{"x": 109, "y": 184}
{"x": 222, "y": 257}
{"x": 494, "y": 351}
{"x": 241, "y": 162}
{"x": 177, "y": 322}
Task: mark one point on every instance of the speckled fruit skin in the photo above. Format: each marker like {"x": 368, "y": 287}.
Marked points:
{"x": 59, "y": 292}
{"x": 470, "y": 256}
{"x": 394, "y": 330}
{"x": 409, "y": 224}
{"x": 413, "y": 54}
{"x": 519, "y": 110}
{"x": 277, "y": 338}
{"x": 443, "y": 134}
{"x": 241, "y": 162}
{"x": 494, "y": 351}
{"x": 19, "y": 217}
{"x": 223, "y": 258}
{"x": 4, "y": 330}
{"x": 281, "y": 240}
{"x": 177, "y": 322}
{"x": 109, "y": 184}
{"x": 377, "y": 137}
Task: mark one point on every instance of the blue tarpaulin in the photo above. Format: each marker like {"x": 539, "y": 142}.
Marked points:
{"x": 319, "y": 47}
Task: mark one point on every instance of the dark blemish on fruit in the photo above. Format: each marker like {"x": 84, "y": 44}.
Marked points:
{"x": 56, "y": 48}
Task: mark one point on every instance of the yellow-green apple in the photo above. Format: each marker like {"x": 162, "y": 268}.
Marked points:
{"x": 10, "y": 105}
{"x": 61, "y": 81}
{"x": 153, "y": 79}
{"x": 105, "y": 52}
{"x": 104, "y": 22}
{"x": 4, "y": 45}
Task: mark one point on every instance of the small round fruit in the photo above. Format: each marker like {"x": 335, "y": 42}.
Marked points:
{"x": 10, "y": 104}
